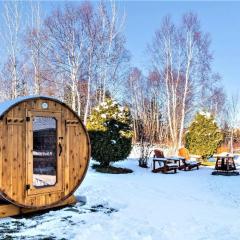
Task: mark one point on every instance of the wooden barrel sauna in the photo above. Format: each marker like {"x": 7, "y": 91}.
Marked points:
{"x": 44, "y": 152}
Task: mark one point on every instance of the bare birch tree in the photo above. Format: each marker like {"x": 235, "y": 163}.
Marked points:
{"x": 233, "y": 117}
{"x": 11, "y": 37}
{"x": 178, "y": 53}
{"x": 111, "y": 53}
{"x": 64, "y": 33}
{"x": 91, "y": 29}
{"x": 35, "y": 45}
{"x": 77, "y": 51}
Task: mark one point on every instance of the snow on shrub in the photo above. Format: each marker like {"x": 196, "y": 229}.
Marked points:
{"x": 110, "y": 132}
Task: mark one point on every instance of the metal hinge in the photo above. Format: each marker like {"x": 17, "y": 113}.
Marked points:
{"x": 27, "y": 187}
{"x": 27, "y": 119}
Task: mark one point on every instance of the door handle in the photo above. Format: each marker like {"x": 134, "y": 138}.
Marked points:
{"x": 60, "y": 149}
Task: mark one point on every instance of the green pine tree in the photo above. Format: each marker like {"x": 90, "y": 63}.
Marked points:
{"x": 110, "y": 132}
{"x": 203, "y": 136}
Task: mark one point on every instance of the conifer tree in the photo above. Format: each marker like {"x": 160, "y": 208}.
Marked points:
{"x": 110, "y": 132}
{"x": 203, "y": 136}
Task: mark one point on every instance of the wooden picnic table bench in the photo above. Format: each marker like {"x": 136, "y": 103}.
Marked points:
{"x": 166, "y": 165}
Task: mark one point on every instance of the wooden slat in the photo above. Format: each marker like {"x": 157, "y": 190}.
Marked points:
{"x": 66, "y": 153}
{"x": 7, "y": 210}
{"x": 7, "y": 168}
{"x": 1, "y": 151}
{"x": 20, "y": 166}
{"x": 69, "y": 201}
{"x": 15, "y": 159}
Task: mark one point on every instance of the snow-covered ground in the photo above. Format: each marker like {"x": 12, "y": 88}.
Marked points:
{"x": 141, "y": 206}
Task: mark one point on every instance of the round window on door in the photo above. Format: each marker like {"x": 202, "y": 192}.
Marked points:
{"x": 44, "y": 105}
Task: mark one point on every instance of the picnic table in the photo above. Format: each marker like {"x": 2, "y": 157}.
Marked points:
{"x": 169, "y": 164}
{"x": 225, "y": 165}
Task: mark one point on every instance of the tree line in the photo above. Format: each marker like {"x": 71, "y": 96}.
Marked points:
{"x": 77, "y": 53}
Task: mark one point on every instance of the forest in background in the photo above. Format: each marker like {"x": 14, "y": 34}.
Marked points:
{"x": 77, "y": 53}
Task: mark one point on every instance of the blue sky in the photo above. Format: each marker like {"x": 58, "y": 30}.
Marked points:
{"x": 220, "y": 19}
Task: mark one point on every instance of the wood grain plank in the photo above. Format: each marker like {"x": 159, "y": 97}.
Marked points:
{"x": 1, "y": 152}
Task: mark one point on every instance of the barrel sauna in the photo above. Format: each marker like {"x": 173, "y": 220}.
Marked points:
{"x": 44, "y": 154}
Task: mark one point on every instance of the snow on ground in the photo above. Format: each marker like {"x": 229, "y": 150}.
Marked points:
{"x": 141, "y": 206}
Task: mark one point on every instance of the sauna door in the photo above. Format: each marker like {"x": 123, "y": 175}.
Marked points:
{"x": 44, "y": 152}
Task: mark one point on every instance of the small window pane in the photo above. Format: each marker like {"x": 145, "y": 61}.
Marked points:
{"x": 44, "y": 151}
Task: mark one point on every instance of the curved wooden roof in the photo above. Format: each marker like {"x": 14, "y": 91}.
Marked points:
{"x": 7, "y": 105}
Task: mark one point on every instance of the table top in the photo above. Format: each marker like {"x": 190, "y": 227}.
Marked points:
{"x": 176, "y": 158}
{"x": 160, "y": 159}
{"x": 224, "y": 156}
{"x": 169, "y": 158}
